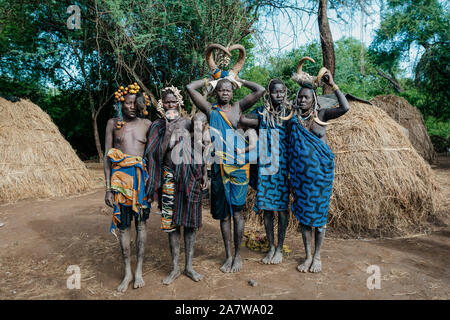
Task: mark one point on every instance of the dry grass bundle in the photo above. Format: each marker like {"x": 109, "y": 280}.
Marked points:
{"x": 382, "y": 186}
{"x": 35, "y": 159}
{"x": 410, "y": 118}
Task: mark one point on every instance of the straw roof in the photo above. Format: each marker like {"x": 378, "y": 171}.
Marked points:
{"x": 35, "y": 159}
{"x": 410, "y": 118}
{"x": 382, "y": 186}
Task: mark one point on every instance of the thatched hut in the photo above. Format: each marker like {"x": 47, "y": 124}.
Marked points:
{"x": 35, "y": 159}
{"x": 382, "y": 186}
{"x": 411, "y": 119}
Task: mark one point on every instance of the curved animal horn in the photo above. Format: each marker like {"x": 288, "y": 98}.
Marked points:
{"x": 320, "y": 75}
{"x": 300, "y": 64}
{"x": 208, "y": 55}
{"x": 289, "y": 116}
{"x": 242, "y": 54}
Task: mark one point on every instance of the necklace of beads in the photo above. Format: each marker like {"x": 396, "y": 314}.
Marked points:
{"x": 220, "y": 107}
{"x": 305, "y": 120}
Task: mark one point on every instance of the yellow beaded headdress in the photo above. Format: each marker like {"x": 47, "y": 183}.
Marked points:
{"x": 120, "y": 98}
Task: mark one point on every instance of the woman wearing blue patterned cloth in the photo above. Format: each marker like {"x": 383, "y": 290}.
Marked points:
{"x": 270, "y": 178}
{"x": 230, "y": 171}
{"x": 311, "y": 161}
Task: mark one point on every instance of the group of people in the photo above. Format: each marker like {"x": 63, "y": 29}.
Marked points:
{"x": 166, "y": 161}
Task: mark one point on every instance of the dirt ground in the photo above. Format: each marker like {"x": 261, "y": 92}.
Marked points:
{"x": 41, "y": 239}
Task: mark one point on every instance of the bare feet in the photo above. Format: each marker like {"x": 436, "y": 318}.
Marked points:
{"x": 138, "y": 281}
{"x": 269, "y": 256}
{"x": 237, "y": 264}
{"x": 305, "y": 265}
{"x": 227, "y": 265}
{"x": 278, "y": 257}
{"x": 126, "y": 281}
{"x": 193, "y": 275}
{"x": 172, "y": 276}
{"x": 316, "y": 266}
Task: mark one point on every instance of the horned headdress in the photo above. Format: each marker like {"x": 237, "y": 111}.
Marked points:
{"x": 216, "y": 72}
{"x": 306, "y": 80}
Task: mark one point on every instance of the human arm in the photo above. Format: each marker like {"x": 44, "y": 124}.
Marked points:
{"x": 204, "y": 177}
{"x": 166, "y": 141}
{"x": 252, "y": 139}
{"x": 176, "y": 132}
{"x": 109, "y": 196}
{"x": 250, "y": 99}
{"x": 201, "y": 103}
{"x": 252, "y": 142}
{"x": 333, "y": 113}
{"x": 249, "y": 120}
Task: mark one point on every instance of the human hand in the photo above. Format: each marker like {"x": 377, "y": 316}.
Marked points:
{"x": 173, "y": 138}
{"x": 328, "y": 78}
{"x": 204, "y": 184}
{"x": 238, "y": 82}
{"x": 236, "y": 77}
{"x": 109, "y": 199}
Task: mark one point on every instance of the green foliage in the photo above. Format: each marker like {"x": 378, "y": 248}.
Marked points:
{"x": 120, "y": 41}
{"x": 423, "y": 25}
{"x": 438, "y": 128}
{"x": 433, "y": 80}
{"x": 356, "y": 72}
{"x": 407, "y": 22}
{"x": 352, "y": 75}
{"x": 162, "y": 43}
{"x": 439, "y": 132}
{"x": 15, "y": 88}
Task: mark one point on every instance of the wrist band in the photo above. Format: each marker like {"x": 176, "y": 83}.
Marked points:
{"x": 335, "y": 87}
{"x": 206, "y": 83}
{"x": 108, "y": 189}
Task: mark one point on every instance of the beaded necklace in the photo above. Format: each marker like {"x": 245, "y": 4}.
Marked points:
{"x": 220, "y": 107}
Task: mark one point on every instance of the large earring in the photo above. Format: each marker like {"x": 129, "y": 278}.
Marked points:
{"x": 118, "y": 107}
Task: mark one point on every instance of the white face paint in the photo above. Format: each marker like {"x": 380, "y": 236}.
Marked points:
{"x": 172, "y": 114}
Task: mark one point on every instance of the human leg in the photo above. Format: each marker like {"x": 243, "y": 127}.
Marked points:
{"x": 189, "y": 243}
{"x": 174, "y": 243}
{"x": 126, "y": 252}
{"x": 225, "y": 228}
{"x": 307, "y": 237}
{"x": 141, "y": 238}
{"x": 319, "y": 236}
{"x": 268, "y": 224}
{"x": 239, "y": 224}
{"x": 283, "y": 220}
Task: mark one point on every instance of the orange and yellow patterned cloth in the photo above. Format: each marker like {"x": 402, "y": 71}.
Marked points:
{"x": 128, "y": 179}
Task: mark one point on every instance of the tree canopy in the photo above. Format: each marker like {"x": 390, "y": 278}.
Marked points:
{"x": 72, "y": 73}
{"x": 421, "y": 26}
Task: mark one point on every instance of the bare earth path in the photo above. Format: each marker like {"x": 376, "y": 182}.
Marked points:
{"x": 41, "y": 239}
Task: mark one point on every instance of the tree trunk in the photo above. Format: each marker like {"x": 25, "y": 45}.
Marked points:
{"x": 326, "y": 40}
{"x": 94, "y": 114}
{"x": 98, "y": 145}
